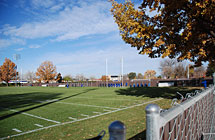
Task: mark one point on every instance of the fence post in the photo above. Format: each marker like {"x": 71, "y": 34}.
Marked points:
{"x": 117, "y": 131}
{"x": 152, "y": 122}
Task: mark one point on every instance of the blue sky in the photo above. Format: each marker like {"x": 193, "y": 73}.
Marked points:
{"x": 76, "y": 35}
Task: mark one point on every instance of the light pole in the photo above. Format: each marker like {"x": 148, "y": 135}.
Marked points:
{"x": 106, "y": 77}
{"x": 188, "y": 72}
{"x": 16, "y": 57}
{"x": 122, "y": 71}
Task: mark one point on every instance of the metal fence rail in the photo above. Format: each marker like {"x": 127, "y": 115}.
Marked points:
{"x": 193, "y": 119}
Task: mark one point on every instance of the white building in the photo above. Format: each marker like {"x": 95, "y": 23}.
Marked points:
{"x": 114, "y": 77}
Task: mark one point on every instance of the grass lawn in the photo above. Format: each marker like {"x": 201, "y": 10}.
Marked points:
{"x": 77, "y": 113}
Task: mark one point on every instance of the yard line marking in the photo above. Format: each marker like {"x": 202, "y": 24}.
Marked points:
{"x": 55, "y": 125}
{"x": 87, "y": 105}
{"x": 38, "y": 117}
{"x": 97, "y": 112}
{"x": 106, "y": 110}
{"x": 84, "y": 115}
{"x": 17, "y": 130}
{"x": 123, "y": 106}
{"x": 52, "y": 100}
{"x": 72, "y": 118}
{"x": 38, "y": 125}
{"x": 107, "y": 99}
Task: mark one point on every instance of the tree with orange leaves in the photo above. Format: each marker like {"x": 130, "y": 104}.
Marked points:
{"x": 149, "y": 74}
{"x": 182, "y": 29}
{"x": 104, "y": 78}
{"x": 46, "y": 71}
{"x": 8, "y": 71}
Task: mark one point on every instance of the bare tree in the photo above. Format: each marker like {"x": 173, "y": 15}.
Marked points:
{"x": 167, "y": 68}
{"x": 80, "y": 77}
{"x": 30, "y": 76}
{"x": 179, "y": 70}
{"x": 199, "y": 72}
{"x": 92, "y": 78}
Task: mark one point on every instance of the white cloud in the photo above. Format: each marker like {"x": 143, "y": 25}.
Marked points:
{"x": 57, "y": 7}
{"x": 19, "y": 49}
{"x": 7, "y": 42}
{"x": 92, "y": 62}
{"x": 42, "y": 3}
{"x": 4, "y": 43}
{"x": 34, "y": 46}
{"x": 86, "y": 19}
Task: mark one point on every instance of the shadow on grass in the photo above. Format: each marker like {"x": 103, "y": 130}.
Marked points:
{"x": 139, "y": 136}
{"x": 23, "y": 100}
{"x": 156, "y": 92}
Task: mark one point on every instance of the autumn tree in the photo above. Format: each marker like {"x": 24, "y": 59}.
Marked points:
{"x": 104, "y": 78}
{"x": 132, "y": 75}
{"x": 149, "y": 74}
{"x": 46, "y": 71}
{"x": 59, "y": 78}
{"x": 182, "y": 29}
{"x": 8, "y": 71}
{"x": 140, "y": 76}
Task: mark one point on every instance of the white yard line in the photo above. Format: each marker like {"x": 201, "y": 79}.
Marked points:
{"x": 106, "y": 110}
{"x": 122, "y": 106}
{"x": 72, "y": 118}
{"x": 39, "y": 125}
{"x": 90, "y": 117}
{"x": 84, "y": 115}
{"x": 38, "y": 117}
{"x": 87, "y": 105}
{"x": 17, "y": 130}
{"x": 97, "y": 112}
{"x": 107, "y": 99}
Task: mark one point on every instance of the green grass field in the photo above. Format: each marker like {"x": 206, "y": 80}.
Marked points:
{"x": 76, "y": 113}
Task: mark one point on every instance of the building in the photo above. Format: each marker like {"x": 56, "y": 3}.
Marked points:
{"x": 114, "y": 78}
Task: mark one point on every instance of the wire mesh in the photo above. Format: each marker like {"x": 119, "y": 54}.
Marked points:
{"x": 197, "y": 122}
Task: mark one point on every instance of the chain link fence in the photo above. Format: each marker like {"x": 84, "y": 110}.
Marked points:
{"x": 192, "y": 119}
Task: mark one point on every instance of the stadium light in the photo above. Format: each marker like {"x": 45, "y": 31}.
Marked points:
{"x": 106, "y": 73}
{"x": 122, "y": 71}
{"x": 16, "y": 57}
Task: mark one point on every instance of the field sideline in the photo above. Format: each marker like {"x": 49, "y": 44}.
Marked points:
{"x": 76, "y": 113}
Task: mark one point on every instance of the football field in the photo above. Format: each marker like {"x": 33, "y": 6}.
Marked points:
{"x": 75, "y": 113}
